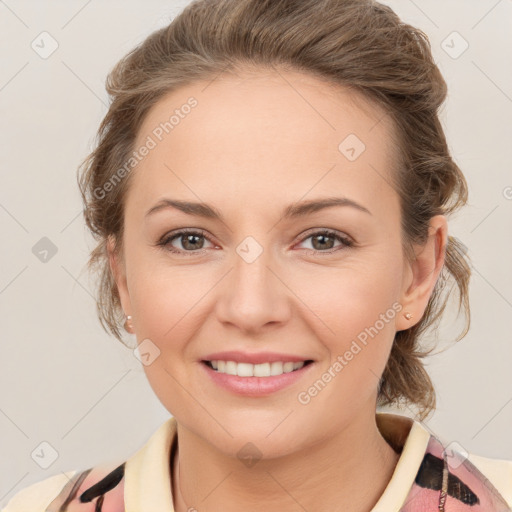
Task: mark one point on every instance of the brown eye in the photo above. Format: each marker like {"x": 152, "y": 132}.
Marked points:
{"x": 191, "y": 241}
{"x": 323, "y": 241}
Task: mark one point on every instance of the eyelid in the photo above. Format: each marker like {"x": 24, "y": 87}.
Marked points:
{"x": 330, "y": 231}
{"x": 165, "y": 241}
{"x": 346, "y": 240}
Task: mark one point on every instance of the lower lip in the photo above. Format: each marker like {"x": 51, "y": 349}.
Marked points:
{"x": 256, "y": 386}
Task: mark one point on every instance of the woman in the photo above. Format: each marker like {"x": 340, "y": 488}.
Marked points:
{"x": 270, "y": 193}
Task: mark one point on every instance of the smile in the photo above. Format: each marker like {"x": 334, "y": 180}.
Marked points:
{"x": 255, "y": 370}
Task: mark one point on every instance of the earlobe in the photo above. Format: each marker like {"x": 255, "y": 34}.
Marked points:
{"x": 423, "y": 272}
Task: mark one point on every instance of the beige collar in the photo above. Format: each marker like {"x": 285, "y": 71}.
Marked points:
{"x": 147, "y": 472}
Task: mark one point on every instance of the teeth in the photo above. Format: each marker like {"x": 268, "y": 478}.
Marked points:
{"x": 255, "y": 370}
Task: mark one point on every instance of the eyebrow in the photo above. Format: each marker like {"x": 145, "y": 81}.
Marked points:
{"x": 294, "y": 210}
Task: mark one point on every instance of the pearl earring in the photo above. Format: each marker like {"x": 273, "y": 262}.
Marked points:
{"x": 128, "y": 324}
{"x": 407, "y": 315}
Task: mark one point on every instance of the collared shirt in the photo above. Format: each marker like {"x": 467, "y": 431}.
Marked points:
{"x": 428, "y": 477}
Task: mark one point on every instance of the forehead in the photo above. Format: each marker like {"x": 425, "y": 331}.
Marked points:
{"x": 284, "y": 130}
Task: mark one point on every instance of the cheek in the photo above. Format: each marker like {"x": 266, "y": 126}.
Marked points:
{"x": 163, "y": 296}
{"x": 156, "y": 306}
{"x": 349, "y": 299}
{"x": 166, "y": 322}
{"x": 353, "y": 311}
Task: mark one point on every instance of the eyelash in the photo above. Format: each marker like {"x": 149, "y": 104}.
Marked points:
{"x": 165, "y": 241}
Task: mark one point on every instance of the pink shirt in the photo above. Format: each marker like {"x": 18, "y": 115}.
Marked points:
{"x": 426, "y": 479}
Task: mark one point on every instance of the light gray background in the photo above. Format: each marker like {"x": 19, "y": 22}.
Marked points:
{"x": 62, "y": 379}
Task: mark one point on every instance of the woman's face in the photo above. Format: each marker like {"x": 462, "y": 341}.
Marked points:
{"x": 262, "y": 278}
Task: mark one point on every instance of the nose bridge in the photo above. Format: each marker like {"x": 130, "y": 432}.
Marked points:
{"x": 253, "y": 295}
{"x": 251, "y": 265}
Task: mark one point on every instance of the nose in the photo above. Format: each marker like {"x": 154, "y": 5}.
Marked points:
{"x": 253, "y": 295}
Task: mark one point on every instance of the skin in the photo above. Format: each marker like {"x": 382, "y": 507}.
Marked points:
{"x": 255, "y": 143}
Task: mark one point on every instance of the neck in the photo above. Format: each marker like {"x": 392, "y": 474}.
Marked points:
{"x": 347, "y": 472}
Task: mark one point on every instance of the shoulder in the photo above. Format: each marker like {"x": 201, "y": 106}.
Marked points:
{"x": 497, "y": 471}
{"x": 80, "y": 490}
{"x": 37, "y": 496}
{"x": 449, "y": 478}
{"x": 102, "y": 487}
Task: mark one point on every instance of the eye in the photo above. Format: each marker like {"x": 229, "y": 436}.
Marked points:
{"x": 324, "y": 239}
{"x": 191, "y": 240}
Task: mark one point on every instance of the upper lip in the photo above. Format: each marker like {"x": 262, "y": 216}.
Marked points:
{"x": 254, "y": 358}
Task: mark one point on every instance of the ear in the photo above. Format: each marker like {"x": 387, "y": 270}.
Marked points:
{"x": 420, "y": 275}
{"x": 118, "y": 269}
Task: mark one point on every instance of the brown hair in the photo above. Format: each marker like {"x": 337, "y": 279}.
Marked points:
{"x": 359, "y": 44}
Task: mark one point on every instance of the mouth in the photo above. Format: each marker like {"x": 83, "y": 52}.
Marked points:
{"x": 269, "y": 369}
